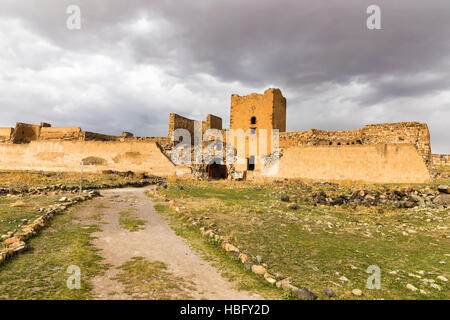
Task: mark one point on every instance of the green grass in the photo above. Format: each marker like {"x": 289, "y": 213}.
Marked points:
{"x": 21, "y": 178}
{"x": 128, "y": 221}
{"x": 228, "y": 266}
{"x": 316, "y": 245}
{"x": 14, "y": 209}
{"x": 152, "y": 281}
{"x": 40, "y": 272}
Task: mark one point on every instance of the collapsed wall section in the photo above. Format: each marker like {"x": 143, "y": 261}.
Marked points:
{"x": 440, "y": 160}
{"x": 413, "y": 133}
{"x": 61, "y": 133}
{"x": 178, "y": 122}
{"x": 6, "y": 134}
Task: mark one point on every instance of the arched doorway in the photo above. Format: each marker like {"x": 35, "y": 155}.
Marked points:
{"x": 217, "y": 170}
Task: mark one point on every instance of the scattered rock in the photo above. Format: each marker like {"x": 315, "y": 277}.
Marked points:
{"x": 258, "y": 269}
{"x": 435, "y": 286}
{"x": 293, "y": 206}
{"x": 444, "y": 189}
{"x": 411, "y": 287}
{"x": 442, "y": 278}
{"x": 344, "y": 279}
{"x": 284, "y": 284}
{"x": 330, "y": 293}
{"x": 285, "y": 198}
{"x": 259, "y": 259}
{"x": 94, "y": 192}
{"x": 63, "y": 199}
{"x": 357, "y": 292}
{"x": 12, "y": 240}
{"x": 442, "y": 199}
{"x": 305, "y": 294}
{"x": 244, "y": 258}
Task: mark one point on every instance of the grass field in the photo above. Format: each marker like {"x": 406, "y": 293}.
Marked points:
{"x": 19, "y": 178}
{"x": 327, "y": 247}
{"x": 41, "y": 271}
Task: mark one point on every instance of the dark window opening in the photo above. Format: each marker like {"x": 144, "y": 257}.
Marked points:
{"x": 331, "y": 143}
{"x": 358, "y": 142}
{"x": 251, "y": 163}
{"x": 253, "y": 120}
{"x": 348, "y": 143}
{"x": 339, "y": 143}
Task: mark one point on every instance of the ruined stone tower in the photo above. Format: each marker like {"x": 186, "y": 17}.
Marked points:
{"x": 259, "y": 111}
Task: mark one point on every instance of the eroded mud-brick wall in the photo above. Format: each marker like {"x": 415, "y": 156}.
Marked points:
{"x": 97, "y": 156}
{"x": 5, "y": 134}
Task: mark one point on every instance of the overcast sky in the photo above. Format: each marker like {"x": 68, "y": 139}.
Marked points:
{"x": 134, "y": 61}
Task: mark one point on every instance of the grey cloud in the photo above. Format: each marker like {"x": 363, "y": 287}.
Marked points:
{"x": 307, "y": 48}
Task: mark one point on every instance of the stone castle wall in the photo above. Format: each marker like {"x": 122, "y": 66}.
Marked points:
{"x": 97, "y": 156}
{"x": 440, "y": 160}
{"x": 413, "y": 133}
{"x": 61, "y": 133}
{"x": 382, "y": 163}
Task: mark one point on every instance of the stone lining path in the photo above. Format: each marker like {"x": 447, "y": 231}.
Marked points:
{"x": 156, "y": 242}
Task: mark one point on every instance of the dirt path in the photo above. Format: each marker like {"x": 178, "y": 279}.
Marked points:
{"x": 156, "y": 242}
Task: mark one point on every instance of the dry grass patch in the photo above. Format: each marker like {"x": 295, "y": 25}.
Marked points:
{"x": 152, "y": 281}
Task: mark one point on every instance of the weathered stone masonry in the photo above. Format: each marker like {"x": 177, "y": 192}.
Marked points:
{"x": 413, "y": 133}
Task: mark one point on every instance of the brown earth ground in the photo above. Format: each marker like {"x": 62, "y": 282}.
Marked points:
{"x": 154, "y": 242}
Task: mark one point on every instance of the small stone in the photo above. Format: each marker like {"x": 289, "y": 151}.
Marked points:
{"x": 435, "y": 286}
{"x": 357, "y": 292}
{"x": 344, "y": 279}
{"x": 330, "y": 293}
{"x": 243, "y": 257}
{"x": 442, "y": 278}
{"x": 422, "y": 273}
{"x": 269, "y": 278}
{"x": 444, "y": 189}
{"x": 285, "y": 283}
{"x": 259, "y": 259}
{"x": 411, "y": 287}
{"x": 293, "y": 206}
{"x": 11, "y": 240}
{"x": 258, "y": 269}
{"x": 285, "y": 198}
{"x": 305, "y": 294}
{"x": 63, "y": 199}
{"x": 94, "y": 192}
{"x": 423, "y": 292}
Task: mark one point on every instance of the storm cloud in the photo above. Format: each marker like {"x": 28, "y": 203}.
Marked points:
{"x": 135, "y": 61}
